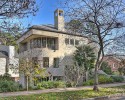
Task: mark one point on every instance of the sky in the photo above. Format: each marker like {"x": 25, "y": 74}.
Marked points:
{"x": 45, "y": 15}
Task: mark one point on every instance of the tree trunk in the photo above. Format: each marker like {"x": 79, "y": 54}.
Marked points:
{"x": 95, "y": 88}
{"x": 87, "y": 77}
{"x": 27, "y": 83}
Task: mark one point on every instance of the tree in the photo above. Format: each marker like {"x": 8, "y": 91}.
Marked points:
{"x": 9, "y": 39}
{"x": 85, "y": 57}
{"x": 106, "y": 68}
{"x": 121, "y": 69}
{"x": 72, "y": 74}
{"x": 101, "y": 19}
{"x": 15, "y": 9}
{"x": 31, "y": 70}
{"x": 74, "y": 26}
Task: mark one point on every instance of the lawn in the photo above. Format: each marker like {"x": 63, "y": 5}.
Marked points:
{"x": 70, "y": 95}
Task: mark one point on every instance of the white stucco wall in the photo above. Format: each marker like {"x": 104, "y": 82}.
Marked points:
{"x": 2, "y": 65}
{"x": 11, "y": 59}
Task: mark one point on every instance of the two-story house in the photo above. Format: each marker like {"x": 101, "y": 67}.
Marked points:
{"x": 52, "y": 46}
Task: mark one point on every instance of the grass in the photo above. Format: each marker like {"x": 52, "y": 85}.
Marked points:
{"x": 70, "y": 95}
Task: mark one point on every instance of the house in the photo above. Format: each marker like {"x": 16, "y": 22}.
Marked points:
{"x": 113, "y": 62}
{"x": 8, "y": 60}
{"x": 52, "y": 46}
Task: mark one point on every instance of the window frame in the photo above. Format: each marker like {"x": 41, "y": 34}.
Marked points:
{"x": 56, "y": 63}
{"x": 46, "y": 60}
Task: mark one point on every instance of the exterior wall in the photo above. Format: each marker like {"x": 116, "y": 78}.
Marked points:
{"x": 2, "y": 65}
{"x": 64, "y": 52}
{"x": 11, "y": 59}
{"x": 112, "y": 62}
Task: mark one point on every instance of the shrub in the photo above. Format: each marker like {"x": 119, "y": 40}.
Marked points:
{"x": 106, "y": 68}
{"x": 117, "y": 78}
{"x": 50, "y": 84}
{"x": 89, "y": 82}
{"x": 105, "y": 79}
{"x": 102, "y": 80}
{"x": 8, "y": 86}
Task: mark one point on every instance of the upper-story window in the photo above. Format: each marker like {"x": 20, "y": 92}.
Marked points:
{"x": 76, "y": 42}
{"x": 44, "y": 42}
{"x": 50, "y": 43}
{"x": 23, "y": 47}
{"x": 71, "y": 41}
{"x": 66, "y": 41}
{"x": 35, "y": 43}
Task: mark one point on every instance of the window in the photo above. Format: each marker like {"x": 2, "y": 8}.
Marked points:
{"x": 72, "y": 41}
{"x": 23, "y": 47}
{"x": 39, "y": 42}
{"x": 56, "y": 63}
{"x": 35, "y": 61}
{"x": 76, "y": 42}
{"x": 35, "y": 43}
{"x": 45, "y": 62}
{"x": 51, "y": 43}
{"x": 44, "y": 42}
{"x": 31, "y": 44}
{"x": 66, "y": 41}
{"x": 57, "y": 78}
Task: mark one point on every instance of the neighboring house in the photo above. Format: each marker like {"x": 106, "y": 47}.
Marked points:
{"x": 113, "y": 62}
{"x": 8, "y": 59}
{"x": 52, "y": 46}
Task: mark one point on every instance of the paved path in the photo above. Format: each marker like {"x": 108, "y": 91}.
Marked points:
{"x": 55, "y": 90}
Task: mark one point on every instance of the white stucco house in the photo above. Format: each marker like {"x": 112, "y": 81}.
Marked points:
{"x": 8, "y": 60}
{"x": 51, "y": 45}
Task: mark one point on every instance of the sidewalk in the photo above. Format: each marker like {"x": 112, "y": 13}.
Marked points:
{"x": 55, "y": 90}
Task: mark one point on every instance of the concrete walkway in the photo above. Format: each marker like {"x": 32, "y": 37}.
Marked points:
{"x": 55, "y": 90}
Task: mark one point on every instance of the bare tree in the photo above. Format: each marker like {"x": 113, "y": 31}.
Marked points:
{"x": 101, "y": 19}
{"x": 15, "y": 9}
{"x": 73, "y": 73}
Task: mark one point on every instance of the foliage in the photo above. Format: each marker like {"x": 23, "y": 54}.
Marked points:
{"x": 117, "y": 78}
{"x": 13, "y": 10}
{"x": 10, "y": 39}
{"x": 72, "y": 74}
{"x": 72, "y": 95}
{"x": 31, "y": 68}
{"x": 50, "y": 84}
{"x": 106, "y": 68}
{"x": 101, "y": 23}
{"x": 74, "y": 25}
{"x": 6, "y": 76}
{"x": 85, "y": 58}
{"x": 121, "y": 69}
{"x": 9, "y": 86}
{"x": 103, "y": 79}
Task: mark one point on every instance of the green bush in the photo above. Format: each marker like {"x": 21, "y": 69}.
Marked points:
{"x": 89, "y": 82}
{"x": 117, "y": 78}
{"x": 50, "y": 84}
{"x": 8, "y": 86}
{"x": 103, "y": 79}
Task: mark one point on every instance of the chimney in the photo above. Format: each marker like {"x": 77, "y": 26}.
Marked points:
{"x": 59, "y": 19}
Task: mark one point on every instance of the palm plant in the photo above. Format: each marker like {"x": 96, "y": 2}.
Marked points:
{"x": 85, "y": 57}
